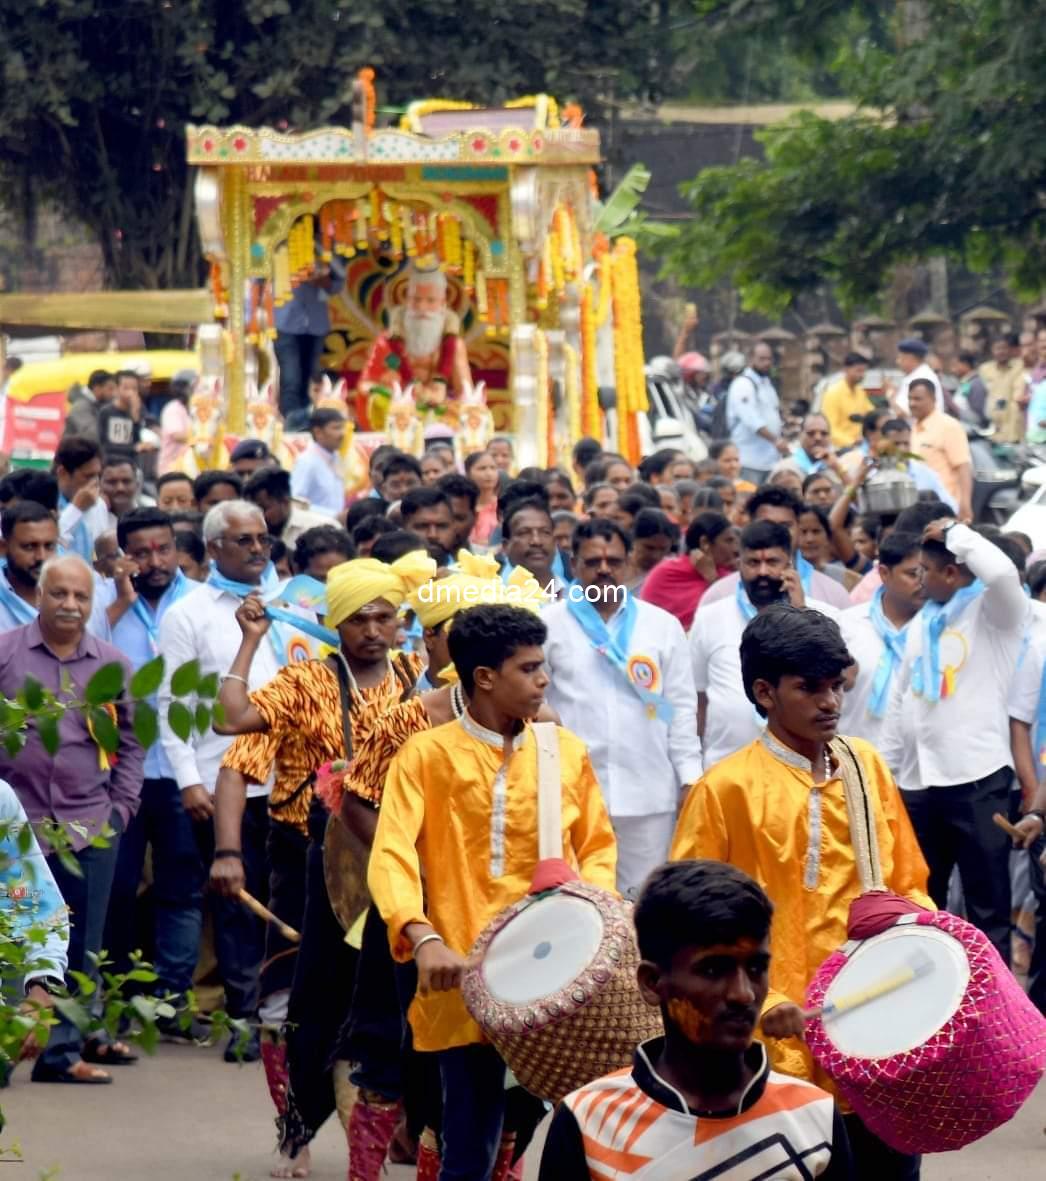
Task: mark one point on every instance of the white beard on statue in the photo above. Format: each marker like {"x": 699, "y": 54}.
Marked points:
{"x": 422, "y": 332}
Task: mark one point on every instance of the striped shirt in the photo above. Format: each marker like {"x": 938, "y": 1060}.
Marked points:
{"x": 634, "y": 1126}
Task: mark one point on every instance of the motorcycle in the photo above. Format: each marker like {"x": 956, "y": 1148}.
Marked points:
{"x": 996, "y": 477}
{"x": 673, "y": 414}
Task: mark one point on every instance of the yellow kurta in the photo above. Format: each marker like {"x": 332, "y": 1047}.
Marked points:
{"x": 756, "y": 810}
{"x": 839, "y": 402}
{"x": 455, "y": 812}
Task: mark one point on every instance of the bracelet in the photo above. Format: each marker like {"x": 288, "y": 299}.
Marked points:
{"x": 1040, "y": 813}
{"x": 220, "y": 853}
{"x": 850, "y": 493}
{"x": 235, "y": 677}
{"x": 430, "y": 938}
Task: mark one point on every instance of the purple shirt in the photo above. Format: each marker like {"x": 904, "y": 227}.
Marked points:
{"x": 70, "y": 785}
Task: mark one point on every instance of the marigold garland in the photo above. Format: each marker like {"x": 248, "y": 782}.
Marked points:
{"x": 628, "y": 346}
{"x": 591, "y": 423}
{"x": 365, "y": 77}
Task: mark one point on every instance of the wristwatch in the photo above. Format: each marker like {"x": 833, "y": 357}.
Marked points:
{"x": 1040, "y": 813}
{"x": 50, "y": 984}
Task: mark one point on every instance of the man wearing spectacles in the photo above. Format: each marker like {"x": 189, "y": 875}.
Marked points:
{"x": 202, "y": 627}
{"x": 618, "y": 668}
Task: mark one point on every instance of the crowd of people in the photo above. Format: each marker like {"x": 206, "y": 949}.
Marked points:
{"x": 700, "y": 632}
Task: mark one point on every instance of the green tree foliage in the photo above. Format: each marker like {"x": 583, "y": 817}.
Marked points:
{"x": 945, "y": 156}
{"x": 96, "y": 93}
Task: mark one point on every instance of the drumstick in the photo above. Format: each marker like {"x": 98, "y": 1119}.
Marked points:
{"x": 263, "y": 912}
{"x": 1008, "y": 828}
{"x": 918, "y": 965}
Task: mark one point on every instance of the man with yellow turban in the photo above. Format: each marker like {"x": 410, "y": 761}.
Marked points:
{"x": 305, "y": 717}
{"x": 376, "y": 1026}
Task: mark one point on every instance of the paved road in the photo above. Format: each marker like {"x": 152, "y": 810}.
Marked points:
{"x": 185, "y": 1115}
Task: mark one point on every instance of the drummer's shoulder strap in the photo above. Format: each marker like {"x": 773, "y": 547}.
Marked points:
{"x": 550, "y": 791}
{"x": 861, "y": 815}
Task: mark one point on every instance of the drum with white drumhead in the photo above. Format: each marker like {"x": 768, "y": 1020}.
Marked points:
{"x": 943, "y": 1059}
{"x": 552, "y": 983}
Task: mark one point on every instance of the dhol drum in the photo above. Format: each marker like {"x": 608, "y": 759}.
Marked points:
{"x": 945, "y": 1058}
{"x": 552, "y": 983}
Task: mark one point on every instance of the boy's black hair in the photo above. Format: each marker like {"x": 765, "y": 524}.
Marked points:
{"x": 915, "y": 518}
{"x": 602, "y": 528}
{"x": 776, "y": 497}
{"x": 321, "y": 539}
{"x": 518, "y": 506}
{"x": 458, "y": 487}
{"x": 424, "y": 496}
{"x": 896, "y": 546}
{"x": 205, "y": 481}
{"x": 652, "y": 522}
{"x": 518, "y": 490}
{"x": 698, "y": 904}
{"x": 360, "y": 510}
{"x": 324, "y": 416}
{"x": 585, "y": 450}
{"x": 273, "y": 481}
{"x": 390, "y": 547}
{"x": 74, "y": 451}
{"x": 766, "y": 535}
{"x": 141, "y": 518}
{"x": 400, "y": 461}
{"x": 191, "y": 544}
{"x": 790, "y": 641}
{"x": 370, "y": 527}
{"x": 487, "y": 635}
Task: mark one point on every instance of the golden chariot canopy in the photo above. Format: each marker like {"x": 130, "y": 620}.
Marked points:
{"x": 500, "y": 199}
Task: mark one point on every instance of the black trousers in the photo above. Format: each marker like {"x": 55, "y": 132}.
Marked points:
{"x": 1037, "y": 971}
{"x": 287, "y": 851}
{"x": 954, "y": 827}
{"x": 324, "y": 979}
{"x": 875, "y": 1161}
{"x": 239, "y": 935}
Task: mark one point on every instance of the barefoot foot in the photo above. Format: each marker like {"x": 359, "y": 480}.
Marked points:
{"x": 299, "y": 1167}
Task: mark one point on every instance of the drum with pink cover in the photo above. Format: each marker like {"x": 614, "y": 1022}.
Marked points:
{"x": 942, "y": 1061}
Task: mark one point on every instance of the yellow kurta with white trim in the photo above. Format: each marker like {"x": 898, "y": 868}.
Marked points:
{"x": 454, "y": 810}
{"x": 760, "y": 810}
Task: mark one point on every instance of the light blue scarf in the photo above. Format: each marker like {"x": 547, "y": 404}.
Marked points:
{"x": 22, "y": 611}
{"x": 615, "y": 647}
{"x": 179, "y": 585}
{"x": 894, "y": 640}
{"x": 272, "y": 593}
{"x": 80, "y": 542}
{"x": 927, "y": 676}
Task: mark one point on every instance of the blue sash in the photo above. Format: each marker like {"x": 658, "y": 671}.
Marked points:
{"x": 805, "y": 571}
{"x": 270, "y": 591}
{"x": 80, "y": 542}
{"x": 744, "y": 603}
{"x": 19, "y": 608}
{"x": 928, "y": 681}
{"x": 150, "y": 620}
{"x": 615, "y": 648}
{"x": 894, "y": 640}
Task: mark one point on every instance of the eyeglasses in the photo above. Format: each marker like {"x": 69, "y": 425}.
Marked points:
{"x": 251, "y": 540}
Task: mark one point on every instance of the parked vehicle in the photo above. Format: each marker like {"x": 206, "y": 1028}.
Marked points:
{"x": 996, "y": 478}
{"x": 673, "y": 415}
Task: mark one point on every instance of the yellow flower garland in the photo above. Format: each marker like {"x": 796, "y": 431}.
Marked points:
{"x": 628, "y": 346}
{"x": 590, "y": 419}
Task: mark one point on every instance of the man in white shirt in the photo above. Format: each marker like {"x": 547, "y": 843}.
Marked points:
{"x": 83, "y": 514}
{"x": 727, "y": 720}
{"x": 911, "y": 360}
{"x": 621, "y": 681}
{"x": 202, "y": 626}
{"x": 317, "y": 476}
{"x": 950, "y": 703}
{"x": 270, "y": 489}
{"x": 753, "y": 415}
{"x": 782, "y": 507}
{"x": 876, "y": 634}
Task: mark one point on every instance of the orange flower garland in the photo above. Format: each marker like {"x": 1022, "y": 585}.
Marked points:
{"x": 628, "y": 347}
{"x": 591, "y": 423}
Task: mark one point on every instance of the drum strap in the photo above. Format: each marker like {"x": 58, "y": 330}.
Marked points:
{"x": 550, "y": 791}
{"x": 860, "y": 813}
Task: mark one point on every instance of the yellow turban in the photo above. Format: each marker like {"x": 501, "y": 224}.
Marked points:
{"x": 352, "y": 585}
{"x": 476, "y": 582}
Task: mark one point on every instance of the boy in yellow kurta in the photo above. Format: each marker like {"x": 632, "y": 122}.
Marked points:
{"x": 776, "y": 810}
{"x": 460, "y": 808}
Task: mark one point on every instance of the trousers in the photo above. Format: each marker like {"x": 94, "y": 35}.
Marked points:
{"x": 177, "y": 892}
{"x": 642, "y": 845}
{"x": 298, "y": 356}
{"x": 954, "y": 827}
{"x": 473, "y": 1085}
